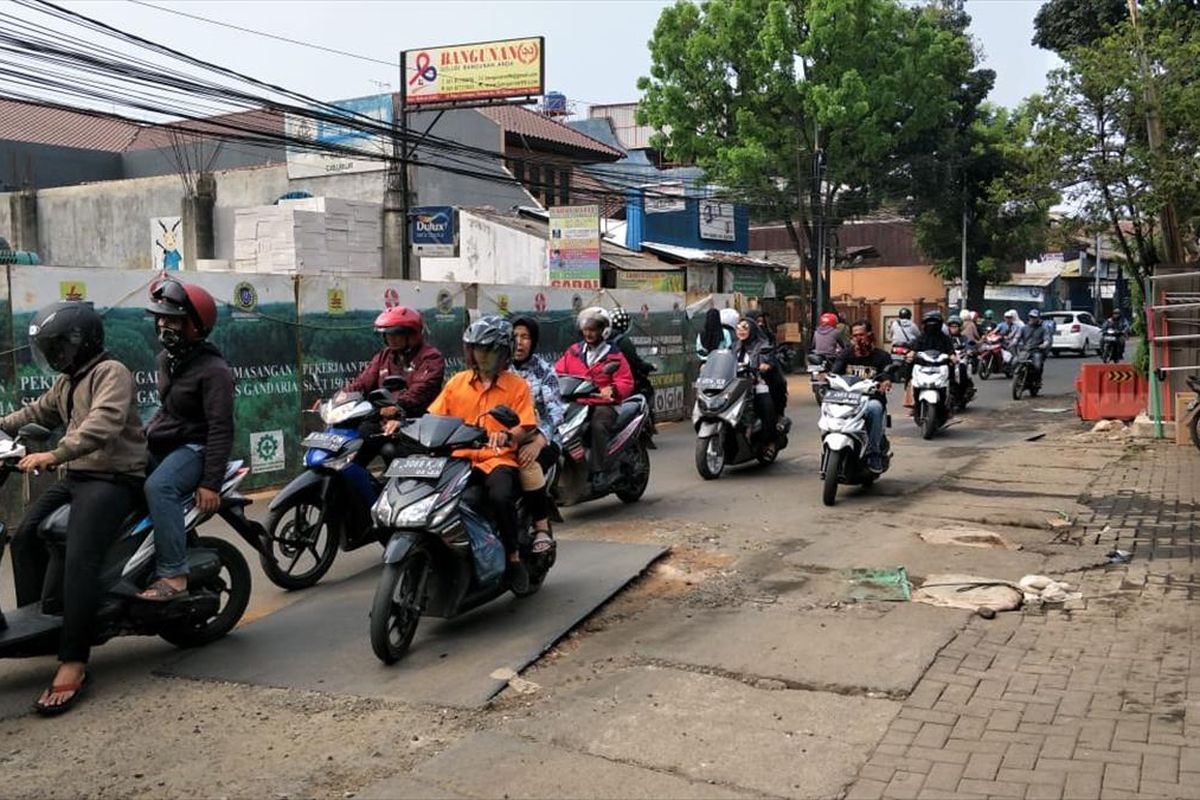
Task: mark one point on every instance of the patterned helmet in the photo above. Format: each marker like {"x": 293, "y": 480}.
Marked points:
{"x": 620, "y": 320}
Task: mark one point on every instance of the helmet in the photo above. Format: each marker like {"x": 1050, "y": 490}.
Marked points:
{"x": 828, "y": 320}
{"x": 620, "y": 320}
{"x": 65, "y": 336}
{"x": 954, "y": 321}
{"x": 1116, "y": 312}
{"x": 906, "y": 313}
{"x": 1011, "y": 314}
{"x": 595, "y": 315}
{"x": 1035, "y": 314}
{"x": 400, "y": 319}
{"x": 730, "y": 317}
{"x": 989, "y": 314}
{"x": 932, "y": 317}
{"x": 491, "y": 337}
{"x": 172, "y": 298}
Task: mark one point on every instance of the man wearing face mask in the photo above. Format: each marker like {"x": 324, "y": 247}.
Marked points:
{"x": 191, "y": 436}
{"x": 864, "y": 360}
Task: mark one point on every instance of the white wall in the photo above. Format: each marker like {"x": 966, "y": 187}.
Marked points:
{"x": 490, "y": 253}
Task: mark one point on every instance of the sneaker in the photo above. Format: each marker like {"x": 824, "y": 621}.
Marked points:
{"x": 875, "y": 462}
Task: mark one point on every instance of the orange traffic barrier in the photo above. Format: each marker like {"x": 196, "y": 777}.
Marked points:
{"x": 1110, "y": 391}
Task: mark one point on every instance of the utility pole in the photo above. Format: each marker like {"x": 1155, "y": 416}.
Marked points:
{"x": 962, "y": 299}
{"x": 396, "y": 252}
{"x": 818, "y": 196}
{"x": 1097, "y": 302}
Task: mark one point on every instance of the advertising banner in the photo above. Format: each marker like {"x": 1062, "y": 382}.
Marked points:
{"x": 664, "y": 198}
{"x": 337, "y": 334}
{"x": 658, "y": 281}
{"x": 304, "y": 162}
{"x": 433, "y": 231}
{"x": 573, "y": 249}
{"x": 467, "y": 74}
{"x": 255, "y": 331}
{"x": 716, "y": 221}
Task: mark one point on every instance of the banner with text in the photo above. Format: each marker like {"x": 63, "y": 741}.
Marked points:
{"x": 573, "y": 249}
{"x": 340, "y": 145}
{"x": 467, "y": 74}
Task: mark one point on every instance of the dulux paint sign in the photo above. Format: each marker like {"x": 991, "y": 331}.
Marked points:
{"x": 433, "y": 230}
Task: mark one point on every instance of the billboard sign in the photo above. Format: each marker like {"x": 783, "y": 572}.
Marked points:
{"x": 716, "y": 221}
{"x": 432, "y": 231}
{"x": 316, "y": 160}
{"x": 573, "y": 250}
{"x": 664, "y": 198}
{"x": 474, "y": 74}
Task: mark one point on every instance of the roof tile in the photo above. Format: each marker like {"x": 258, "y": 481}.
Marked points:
{"x": 516, "y": 119}
{"x": 45, "y": 124}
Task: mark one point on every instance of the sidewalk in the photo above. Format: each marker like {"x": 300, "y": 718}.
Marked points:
{"x": 1100, "y": 700}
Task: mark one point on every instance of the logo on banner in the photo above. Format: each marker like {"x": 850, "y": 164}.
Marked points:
{"x": 391, "y": 297}
{"x": 539, "y": 302}
{"x": 502, "y": 305}
{"x": 72, "y": 291}
{"x": 245, "y": 298}
{"x": 266, "y": 451}
{"x": 337, "y": 301}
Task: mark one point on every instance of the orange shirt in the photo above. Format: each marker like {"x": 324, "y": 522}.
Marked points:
{"x": 464, "y": 396}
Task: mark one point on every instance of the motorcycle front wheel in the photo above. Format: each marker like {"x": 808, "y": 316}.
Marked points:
{"x": 396, "y": 610}
{"x": 300, "y": 546}
{"x": 833, "y": 466}
{"x": 710, "y": 456}
{"x": 985, "y": 369}
{"x": 929, "y": 421}
{"x": 1018, "y": 383}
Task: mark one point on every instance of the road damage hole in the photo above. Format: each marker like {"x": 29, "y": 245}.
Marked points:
{"x": 968, "y": 537}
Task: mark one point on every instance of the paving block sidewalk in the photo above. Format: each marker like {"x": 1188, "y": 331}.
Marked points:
{"x": 1099, "y": 700}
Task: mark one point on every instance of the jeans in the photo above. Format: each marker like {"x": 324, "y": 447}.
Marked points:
{"x": 500, "y": 489}
{"x": 1037, "y": 359}
{"x": 604, "y": 418}
{"x": 874, "y": 419}
{"x": 99, "y": 504}
{"x": 172, "y": 481}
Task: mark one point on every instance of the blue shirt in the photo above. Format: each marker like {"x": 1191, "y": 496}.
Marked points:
{"x": 543, "y": 385}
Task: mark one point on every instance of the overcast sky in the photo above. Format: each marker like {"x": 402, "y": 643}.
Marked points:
{"x": 595, "y": 50}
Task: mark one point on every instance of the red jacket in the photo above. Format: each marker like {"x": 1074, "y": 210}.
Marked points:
{"x": 424, "y": 371}
{"x": 572, "y": 363}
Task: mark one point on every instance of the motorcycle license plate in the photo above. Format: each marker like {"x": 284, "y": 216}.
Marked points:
{"x": 416, "y": 467}
{"x": 716, "y": 384}
{"x": 842, "y": 397}
{"x": 325, "y": 441}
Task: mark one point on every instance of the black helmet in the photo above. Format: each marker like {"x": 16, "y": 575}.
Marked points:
{"x": 932, "y": 317}
{"x": 906, "y": 313}
{"x": 65, "y": 336}
{"x": 620, "y": 320}
{"x": 955, "y": 320}
{"x": 492, "y": 337}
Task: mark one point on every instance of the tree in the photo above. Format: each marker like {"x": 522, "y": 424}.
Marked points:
{"x": 810, "y": 109}
{"x": 1063, "y": 25}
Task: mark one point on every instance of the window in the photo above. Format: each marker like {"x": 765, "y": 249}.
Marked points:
{"x": 564, "y": 188}
{"x": 1087, "y": 319}
{"x": 548, "y": 195}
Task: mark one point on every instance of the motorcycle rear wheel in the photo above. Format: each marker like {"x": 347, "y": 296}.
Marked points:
{"x": 633, "y": 492}
{"x": 234, "y": 591}
{"x": 396, "y": 609}
{"x": 285, "y": 545}
{"x": 833, "y": 466}
{"x": 710, "y": 456}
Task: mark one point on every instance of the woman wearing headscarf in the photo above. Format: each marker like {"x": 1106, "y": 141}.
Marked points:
{"x": 754, "y": 352}
{"x": 713, "y": 336}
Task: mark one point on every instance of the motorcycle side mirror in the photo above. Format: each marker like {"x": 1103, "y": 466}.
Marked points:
{"x": 394, "y": 383}
{"x": 611, "y": 367}
{"x": 505, "y": 416}
{"x": 380, "y": 397}
{"x": 33, "y": 432}
{"x": 815, "y": 359}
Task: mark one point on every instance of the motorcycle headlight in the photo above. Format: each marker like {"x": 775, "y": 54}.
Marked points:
{"x": 415, "y": 515}
{"x": 841, "y": 411}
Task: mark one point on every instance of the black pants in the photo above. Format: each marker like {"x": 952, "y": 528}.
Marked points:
{"x": 604, "y": 419}
{"x": 501, "y": 487}
{"x": 98, "y": 507}
{"x": 764, "y": 407}
{"x": 538, "y": 500}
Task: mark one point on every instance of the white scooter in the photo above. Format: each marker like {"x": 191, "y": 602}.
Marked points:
{"x": 844, "y": 439}
{"x": 931, "y": 391}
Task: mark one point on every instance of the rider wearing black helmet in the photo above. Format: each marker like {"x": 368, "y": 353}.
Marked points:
{"x": 619, "y": 338}
{"x": 903, "y": 330}
{"x": 103, "y": 452}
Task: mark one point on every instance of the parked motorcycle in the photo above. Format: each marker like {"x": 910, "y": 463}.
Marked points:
{"x": 628, "y": 454}
{"x": 728, "y": 432}
{"x": 218, "y": 580}
{"x": 818, "y": 367}
{"x": 1111, "y": 346}
{"x": 931, "y": 391}
{"x": 993, "y": 356}
{"x": 329, "y": 504}
{"x": 1023, "y": 377}
{"x": 844, "y": 441}
{"x": 444, "y": 557}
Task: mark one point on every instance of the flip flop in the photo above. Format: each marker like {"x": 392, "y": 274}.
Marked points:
{"x": 542, "y": 542}
{"x": 161, "y": 592}
{"x": 46, "y": 710}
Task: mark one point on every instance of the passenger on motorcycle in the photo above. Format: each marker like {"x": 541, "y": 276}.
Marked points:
{"x": 989, "y": 322}
{"x": 763, "y": 320}
{"x": 969, "y": 329}
{"x": 619, "y": 338}
{"x": 1036, "y": 339}
{"x": 488, "y": 383}
{"x": 961, "y": 342}
{"x": 717, "y": 333}
{"x": 904, "y": 330}
{"x": 827, "y": 339}
{"x": 1010, "y": 328}
{"x": 754, "y": 353}
{"x": 1117, "y": 326}
{"x": 191, "y": 436}
{"x": 864, "y": 360}
{"x": 540, "y": 450}
{"x": 103, "y": 451}
{"x": 405, "y": 353}
{"x": 588, "y": 359}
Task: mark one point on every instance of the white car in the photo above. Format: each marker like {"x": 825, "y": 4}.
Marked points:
{"x": 1074, "y": 330}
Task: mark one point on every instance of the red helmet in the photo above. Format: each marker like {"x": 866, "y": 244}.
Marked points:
{"x": 400, "y": 319}
{"x": 172, "y": 298}
{"x": 828, "y": 320}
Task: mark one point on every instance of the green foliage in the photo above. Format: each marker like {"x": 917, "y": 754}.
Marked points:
{"x": 1063, "y": 25}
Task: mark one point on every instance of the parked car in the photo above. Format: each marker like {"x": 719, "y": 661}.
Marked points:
{"x": 1074, "y": 330}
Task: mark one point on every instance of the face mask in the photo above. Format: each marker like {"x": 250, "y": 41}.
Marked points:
{"x": 171, "y": 340}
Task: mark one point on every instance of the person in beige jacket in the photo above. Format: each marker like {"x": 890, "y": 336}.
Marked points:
{"x": 103, "y": 456}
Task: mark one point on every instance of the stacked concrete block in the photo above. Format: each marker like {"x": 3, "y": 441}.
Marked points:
{"x": 313, "y": 236}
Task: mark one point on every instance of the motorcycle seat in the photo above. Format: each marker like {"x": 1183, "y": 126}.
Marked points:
{"x": 54, "y": 527}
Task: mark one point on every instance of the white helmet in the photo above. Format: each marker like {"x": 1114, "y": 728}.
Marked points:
{"x": 595, "y": 315}
{"x": 730, "y": 317}
{"x": 1011, "y": 314}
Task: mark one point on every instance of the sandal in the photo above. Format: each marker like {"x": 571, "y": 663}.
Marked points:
{"x": 77, "y": 690}
{"x": 161, "y": 592}
{"x": 543, "y": 540}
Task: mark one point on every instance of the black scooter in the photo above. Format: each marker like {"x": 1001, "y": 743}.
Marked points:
{"x": 218, "y": 584}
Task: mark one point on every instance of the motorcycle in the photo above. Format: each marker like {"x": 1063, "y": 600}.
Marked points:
{"x": 628, "y": 449}
{"x": 931, "y": 391}
{"x": 443, "y": 557}
{"x": 329, "y": 504}
{"x": 1192, "y": 414}
{"x": 844, "y": 440}
{"x": 818, "y": 366}
{"x": 1023, "y": 377}
{"x": 727, "y": 429}
{"x": 994, "y": 357}
{"x": 1112, "y": 346}
{"x": 218, "y": 581}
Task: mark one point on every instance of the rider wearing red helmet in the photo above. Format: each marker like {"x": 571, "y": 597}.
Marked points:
{"x": 828, "y": 340}
{"x": 191, "y": 436}
{"x": 405, "y": 353}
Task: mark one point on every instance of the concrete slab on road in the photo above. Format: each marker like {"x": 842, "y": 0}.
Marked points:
{"x": 892, "y": 646}
{"x": 482, "y": 762}
{"x": 705, "y": 728}
{"x": 321, "y": 643}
